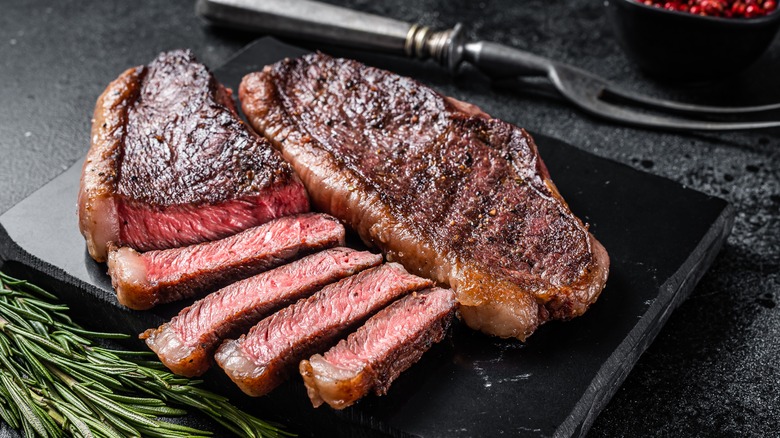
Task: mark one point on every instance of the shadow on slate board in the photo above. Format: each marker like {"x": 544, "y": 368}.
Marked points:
{"x": 661, "y": 238}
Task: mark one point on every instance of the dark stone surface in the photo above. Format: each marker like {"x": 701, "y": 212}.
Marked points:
{"x": 714, "y": 368}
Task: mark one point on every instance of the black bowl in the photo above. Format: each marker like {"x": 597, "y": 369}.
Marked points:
{"x": 679, "y": 46}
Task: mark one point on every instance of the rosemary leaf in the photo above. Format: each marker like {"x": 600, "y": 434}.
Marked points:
{"x": 35, "y": 307}
{"x": 134, "y": 400}
{"x": 121, "y": 426}
{"x": 29, "y": 315}
{"x": 27, "y": 286}
{"x": 121, "y": 411}
{"x": 36, "y": 366}
{"x": 76, "y": 421}
{"x": 91, "y": 380}
{"x": 130, "y": 383}
{"x": 72, "y": 399}
{"x": 180, "y": 429}
{"x": 15, "y": 318}
{"x": 40, "y": 340}
{"x": 101, "y": 429}
{"x": 8, "y": 365}
{"x": 72, "y": 339}
{"x": 159, "y": 411}
{"x": 28, "y": 429}
{"x": 91, "y": 334}
{"x": 31, "y": 422}
{"x": 150, "y": 364}
{"x": 7, "y": 411}
{"x": 116, "y": 354}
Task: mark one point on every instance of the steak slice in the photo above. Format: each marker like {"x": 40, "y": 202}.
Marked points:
{"x": 163, "y": 276}
{"x": 262, "y": 359}
{"x": 186, "y": 344}
{"x": 171, "y": 164}
{"x": 378, "y": 352}
{"x": 437, "y": 184}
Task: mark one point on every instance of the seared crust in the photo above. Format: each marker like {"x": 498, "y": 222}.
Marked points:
{"x": 185, "y": 144}
{"x": 97, "y": 207}
{"x": 436, "y": 184}
{"x": 172, "y": 164}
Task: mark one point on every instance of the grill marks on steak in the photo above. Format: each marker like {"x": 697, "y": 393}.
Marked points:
{"x": 378, "y": 352}
{"x": 436, "y": 184}
{"x": 262, "y": 359}
{"x": 171, "y": 163}
{"x": 186, "y": 344}
{"x": 163, "y": 276}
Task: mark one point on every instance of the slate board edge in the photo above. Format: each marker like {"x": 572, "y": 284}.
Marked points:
{"x": 675, "y": 290}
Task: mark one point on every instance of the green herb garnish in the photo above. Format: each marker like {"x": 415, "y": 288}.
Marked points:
{"x": 55, "y": 380}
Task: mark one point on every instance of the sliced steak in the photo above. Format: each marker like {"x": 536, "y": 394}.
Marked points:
{"x": 437, "y": 184}
{"x": 163, "y": 276}
{"x": 262, "y": 359}
{"x": 186, "y": 344}
{"x": 171, "y": 163}
{"x": 378, "y": 352}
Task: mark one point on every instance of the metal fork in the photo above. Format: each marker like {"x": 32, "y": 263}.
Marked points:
{"x": 594, "y": 94}
{"x": 328, "y": 24}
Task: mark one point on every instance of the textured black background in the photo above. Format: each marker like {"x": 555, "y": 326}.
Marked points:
{"x": 713, "y": 370}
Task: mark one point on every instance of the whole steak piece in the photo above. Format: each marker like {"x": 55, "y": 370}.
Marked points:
{"x": 437, "y": 184}
{"x": 171, "y": 164}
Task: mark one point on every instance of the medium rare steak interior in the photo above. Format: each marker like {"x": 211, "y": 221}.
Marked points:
{"x": 145, "y": 280}
{"x": 378, "y": 352}
{"x": 187, "y": 343}
{"x": 438, "y": 185}
{"x": 262, "y": 359}
{"x": 171, "y": 163}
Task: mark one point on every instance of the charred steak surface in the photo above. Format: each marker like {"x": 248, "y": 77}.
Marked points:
{"x": 438, "y": 185}
{"x": 172, "y": 164}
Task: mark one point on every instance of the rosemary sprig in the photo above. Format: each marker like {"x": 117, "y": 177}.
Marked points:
{"x": 56, "y": 381}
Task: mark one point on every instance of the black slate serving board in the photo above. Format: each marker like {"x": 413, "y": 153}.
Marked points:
{"x": 661, "y": 238}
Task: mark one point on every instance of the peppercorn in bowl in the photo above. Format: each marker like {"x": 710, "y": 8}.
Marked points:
{"x": 694, "y": 40}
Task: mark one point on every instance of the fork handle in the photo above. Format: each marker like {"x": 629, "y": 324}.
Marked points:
{"x": 309, "y": 20}
{"x": 323, "y": 23}
{"x": 314, "y": 21}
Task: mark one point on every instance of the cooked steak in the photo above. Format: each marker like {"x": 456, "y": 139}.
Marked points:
{"x": 171, "y": 163}
{"x": 262, "y": 359}
{"x": 163, "y": 276}
{"x": 378, "y": 352}
{"x": 186, "y": 344}
{"x": 437, "y": 184}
